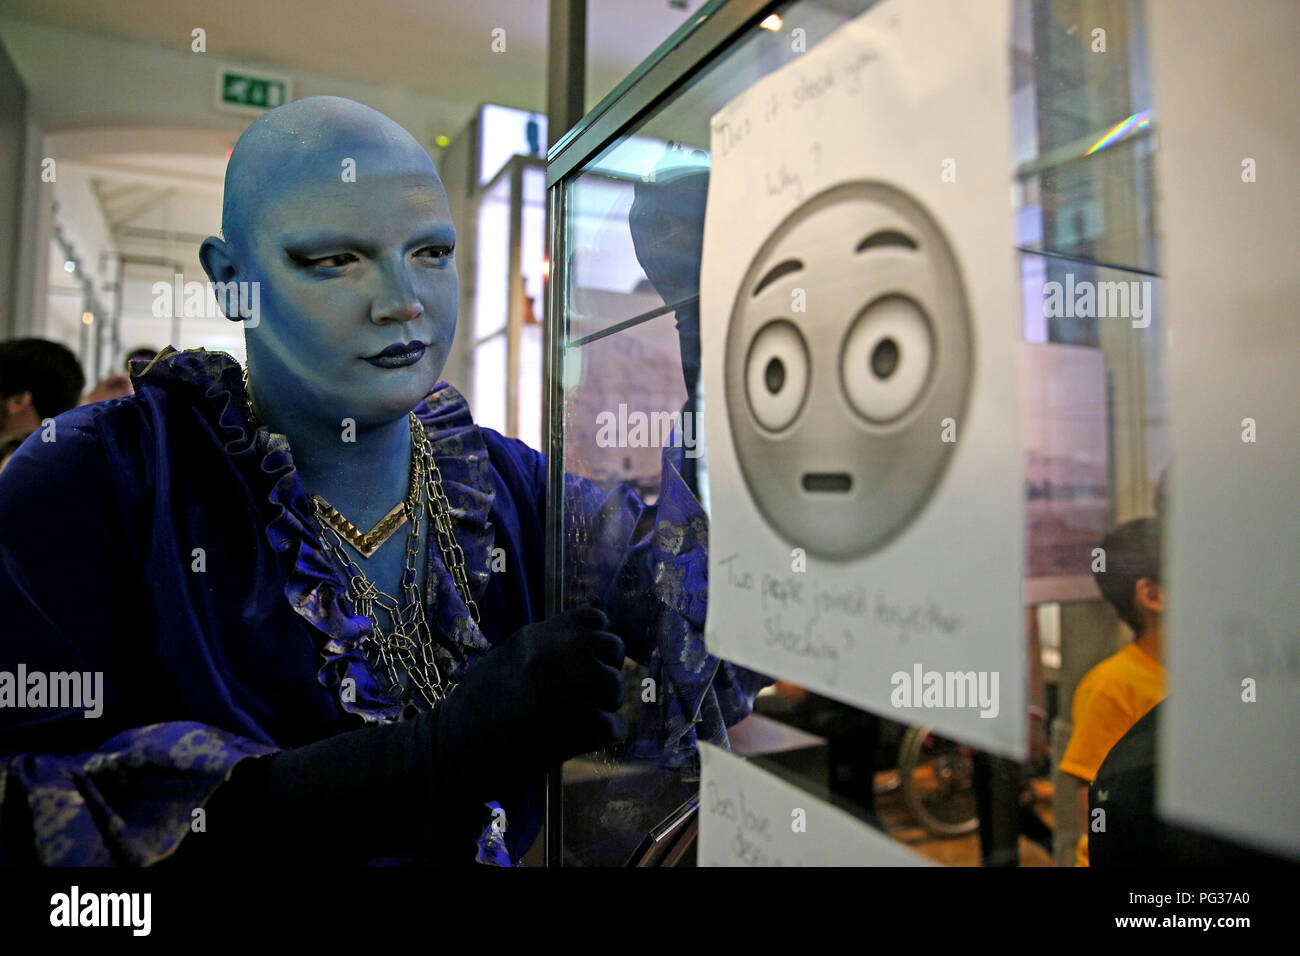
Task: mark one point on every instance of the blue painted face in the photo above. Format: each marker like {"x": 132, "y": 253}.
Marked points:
{"x": 348, "y": 271}
{"x": 358, "y": 284}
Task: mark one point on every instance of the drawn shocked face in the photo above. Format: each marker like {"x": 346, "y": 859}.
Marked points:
{"x": 849, "y": 343}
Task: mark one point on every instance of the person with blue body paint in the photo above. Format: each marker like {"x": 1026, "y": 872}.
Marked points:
{"x": 279, "y": 684}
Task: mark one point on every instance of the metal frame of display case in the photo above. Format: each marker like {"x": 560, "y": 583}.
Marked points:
{"x": 688, "y": 51}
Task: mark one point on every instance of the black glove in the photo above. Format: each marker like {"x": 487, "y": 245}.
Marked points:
{"x": 318, "y": 802}
{"x": 547, "y": 693}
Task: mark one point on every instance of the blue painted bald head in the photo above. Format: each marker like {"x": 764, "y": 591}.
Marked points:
{"x": 304, "y": 140}
{"x": 339, "y": 215}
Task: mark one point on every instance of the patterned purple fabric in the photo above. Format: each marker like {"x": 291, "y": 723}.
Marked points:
{"x": 167, "y": 543}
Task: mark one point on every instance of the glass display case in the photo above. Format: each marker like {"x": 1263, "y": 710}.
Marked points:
{"x": 627, "y": 189}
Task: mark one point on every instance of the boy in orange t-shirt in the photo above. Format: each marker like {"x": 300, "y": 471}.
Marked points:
{"x": 1119, "y": 691}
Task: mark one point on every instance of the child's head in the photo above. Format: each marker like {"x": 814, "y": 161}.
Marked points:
{"x": 1131, "y": 579}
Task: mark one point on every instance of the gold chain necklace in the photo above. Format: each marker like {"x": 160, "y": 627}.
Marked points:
{"x": 408, "y": 646}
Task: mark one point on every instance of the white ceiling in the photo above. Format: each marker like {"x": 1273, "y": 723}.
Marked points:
{"x": 159, "y": 191}
{"x": 439, "y": 48}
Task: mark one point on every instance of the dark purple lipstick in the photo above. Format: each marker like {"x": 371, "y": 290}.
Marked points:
{"x": 398, "y": 356}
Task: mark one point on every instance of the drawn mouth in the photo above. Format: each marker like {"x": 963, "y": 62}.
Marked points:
{"x": 827, "y": 481}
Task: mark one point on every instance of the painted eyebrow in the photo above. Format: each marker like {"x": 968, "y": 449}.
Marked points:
{"x": 886, "y": 237}
{"x": 300, "y": 244}
{"x": 438, "y": 236}
{"x": 776, "y": 272}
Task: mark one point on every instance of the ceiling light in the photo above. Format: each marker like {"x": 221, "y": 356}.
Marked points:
{"x": 69, "y": 265}
{"x": 772, "y": 23}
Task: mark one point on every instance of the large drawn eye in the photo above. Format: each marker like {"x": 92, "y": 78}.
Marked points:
{"x": 776, "y": 374}
{"x": 887, "y": 358}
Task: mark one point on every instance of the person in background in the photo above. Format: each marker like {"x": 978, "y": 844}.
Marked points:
{"x": 138, "y": 358}
{"x": 110, "y": 386}
{"x": 7, "y": 449}
{"x": 117, "y": 385}
{"x": 1135, "y": 834}
{"x": 1119, "y": 691}
{"x": 39, "y": 379}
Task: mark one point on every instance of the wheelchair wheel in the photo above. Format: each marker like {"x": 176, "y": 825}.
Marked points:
{"x": 938, "y": 777}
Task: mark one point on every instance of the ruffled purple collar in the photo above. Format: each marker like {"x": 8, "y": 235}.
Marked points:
{"x": 314, "y": 586}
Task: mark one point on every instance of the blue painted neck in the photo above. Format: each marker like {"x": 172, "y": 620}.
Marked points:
{"x": 360, "y": 469}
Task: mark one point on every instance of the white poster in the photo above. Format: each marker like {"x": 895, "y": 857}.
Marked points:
{"x": 748, "y": 817}
{"x": 1226, "y": 106}
{"x": 860, "y": 326}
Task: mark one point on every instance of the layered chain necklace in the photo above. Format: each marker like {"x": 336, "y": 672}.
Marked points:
{"x": 407, "y": 646}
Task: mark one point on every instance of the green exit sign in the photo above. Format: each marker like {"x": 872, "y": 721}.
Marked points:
{"x": 245, "y": 91}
